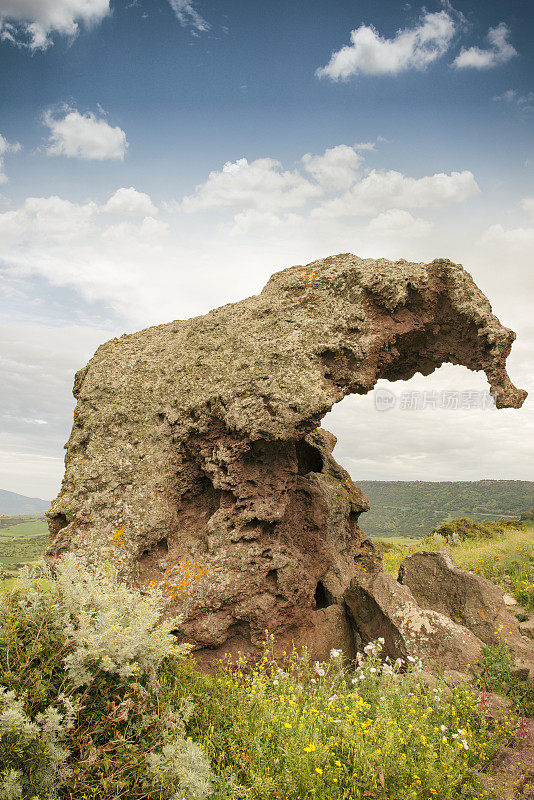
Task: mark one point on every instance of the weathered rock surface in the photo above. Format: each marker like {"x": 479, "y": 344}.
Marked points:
{"x": 468, "y": 599}
{"x": 526, "y": 627}
{"x": 198, "y": 441}
{"x": 381, "y": 606}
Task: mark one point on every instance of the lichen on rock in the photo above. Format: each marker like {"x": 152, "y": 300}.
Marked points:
{"x": 196, "y": 461}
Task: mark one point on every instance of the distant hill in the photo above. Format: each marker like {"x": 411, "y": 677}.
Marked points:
{"x": 414, "y": 508}
{"x": 12, "y": 504}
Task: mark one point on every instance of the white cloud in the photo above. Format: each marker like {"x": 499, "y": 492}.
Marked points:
{"x": 78, "y": 135}
{"x": 386, "y": 189}
{"x": 188, "y": 16}
{"x": 400, "y": 223}
{"x": 337, "y": 168}
{"x": 411, "y": 48}
{"x": 30, "y": 23}
{"x": 511, "y": 239}
{"x": 500, "y": 51}
{"x": 129, "y": 202}
{"x": 5, "y": 148}
{"x": 527, "y": 204}
{"x": 512, "y": 97}
{"x": 261, "y": 184}
{"x": 46, "y": 219}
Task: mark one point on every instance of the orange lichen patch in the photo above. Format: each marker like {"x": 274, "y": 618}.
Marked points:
{"x": 118, "y": 537}
{"x": 179, "y": 578}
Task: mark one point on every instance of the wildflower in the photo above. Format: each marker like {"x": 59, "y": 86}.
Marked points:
{"x": 318, "y": 770}
{"x": 310, "y": 749}
{"x": 319, "y": 670}
{"x": 465, "y": 745}
{"x": 287, "y": 725}
{"x": 443, "y": 728}
{"x": 335, "y": 653}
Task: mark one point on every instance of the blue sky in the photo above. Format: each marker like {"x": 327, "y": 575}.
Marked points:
{"x": 386, "y": 129}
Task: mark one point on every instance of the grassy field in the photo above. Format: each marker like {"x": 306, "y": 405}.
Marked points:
{"x": 508, "y": 559}
{"x": 23, "y": 541}
{"x": 22, "y": 527}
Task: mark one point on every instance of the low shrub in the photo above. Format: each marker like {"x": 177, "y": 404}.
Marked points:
{"x": 458, "y": 530}
{"x": 81, "y": 713}
{"x": 495, "y": 673}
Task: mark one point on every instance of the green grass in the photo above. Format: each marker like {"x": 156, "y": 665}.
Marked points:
{"x": 21, "y": 530}
{"x": 507, "y": 559}
{"x": 345, "y": 734}
{"x": 23, "y": 543}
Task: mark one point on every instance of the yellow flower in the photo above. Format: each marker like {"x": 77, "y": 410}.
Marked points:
{"x": 287, "y": 725}
{"x": 337, "y": 763}
{"x": 318, "y": 770}
{"x": 310, "y": 749}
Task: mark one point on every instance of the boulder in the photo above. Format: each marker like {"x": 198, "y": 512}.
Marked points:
{"x": 196, "y": 463}
{"x": 468, "y": 599}
{"x": 526, "y": 627}
{"x": 380, "y": 606}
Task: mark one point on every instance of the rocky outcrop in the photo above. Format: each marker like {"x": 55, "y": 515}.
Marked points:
{"x": 379, "y": 606}
{"x": 196, "y": 461}
{"x": 468, "y": 599}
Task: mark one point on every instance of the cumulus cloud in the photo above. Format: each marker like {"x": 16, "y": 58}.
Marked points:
{"x": 188, "y": 16}
{"x": 5, "y": 148}
{"x": 387, "y": 189}
{"x": 337, "y": 168}
{"x": 400, "y": 223}
{"x": 131, "y": 203}
{"x": 46, "y": 218}
{"x": 259, "y": 184}
{"x": 30, "y": 23}
{"x": 411, "y": 48}
{"x": 78, "y": 135}
{"x": 499, "y": 52}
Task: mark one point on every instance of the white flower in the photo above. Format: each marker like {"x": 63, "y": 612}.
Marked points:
{"x": 443, "y": 728}
{"x": 466, "y": 746}
{"x": 411, "y": 658}
{"x": 312, "y": 680}
{"x": 381, "y": 640}
{"x": 372, "y": 669}
{"x": 275, "y": 682}
{"x": 335, "y": 653}
{"x": 319, "y": 670}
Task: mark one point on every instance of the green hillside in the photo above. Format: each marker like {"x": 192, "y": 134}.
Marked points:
{"x": 414, "y": 508}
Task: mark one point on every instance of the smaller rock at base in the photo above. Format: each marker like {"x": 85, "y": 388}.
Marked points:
{"x": 527, "y": 627}
{"x": 454, "y": 677}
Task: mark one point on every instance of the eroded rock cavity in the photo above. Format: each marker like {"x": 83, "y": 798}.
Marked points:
{"x": 197, "y": 463}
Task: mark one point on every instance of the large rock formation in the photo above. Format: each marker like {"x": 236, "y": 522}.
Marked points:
{"x": 196, "y": 460}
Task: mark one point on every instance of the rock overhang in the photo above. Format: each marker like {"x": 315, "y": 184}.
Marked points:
{"x": 199, "y": 432}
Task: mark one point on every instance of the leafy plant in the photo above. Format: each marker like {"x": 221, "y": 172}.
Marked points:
{"x": 495, "y": 673}
{"x": 81, "y": 712}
